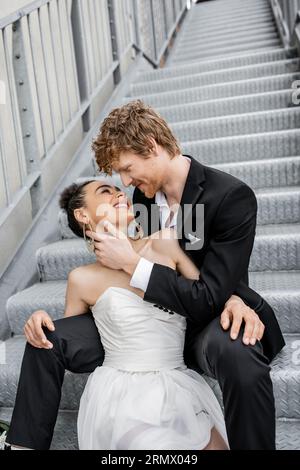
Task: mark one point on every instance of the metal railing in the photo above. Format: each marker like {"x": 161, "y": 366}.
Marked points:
{"x": 156, "y": 24}
{"x": 285, "y": 13}
{"x": 60, "y": 61}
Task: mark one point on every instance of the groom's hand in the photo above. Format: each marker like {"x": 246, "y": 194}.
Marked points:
{"x": 236, "y": 313}
{"x": 33, "y": 329}
{"x": 114, "y": 250}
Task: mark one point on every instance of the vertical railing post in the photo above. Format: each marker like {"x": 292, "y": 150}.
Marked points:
{"x": 153, "y": 29}
{"x": 114, "y": 40}
{"x": 293, "y": 9}
{"x": 137, "y": 36}
{"x": 174, "y": 10}
{"x": 80, "y": 56}
{"x": 24, "y": 97}
{"x": 165, "y": 18}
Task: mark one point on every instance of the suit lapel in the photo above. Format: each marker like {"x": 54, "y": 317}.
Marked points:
{"x": 192, "y": 192}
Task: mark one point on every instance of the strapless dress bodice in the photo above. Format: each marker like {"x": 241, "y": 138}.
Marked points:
{"x": 137, "y": 335}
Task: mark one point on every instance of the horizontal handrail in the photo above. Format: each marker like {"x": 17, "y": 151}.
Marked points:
{"x": 25, "y": 10}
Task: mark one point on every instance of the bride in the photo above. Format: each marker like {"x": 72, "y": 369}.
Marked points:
{"x": 143, "y": 396}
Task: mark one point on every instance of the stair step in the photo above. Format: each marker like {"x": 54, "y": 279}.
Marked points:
{"x": 197, "y": 23}
{"x": 48, "y": 296}
{"x": 56, "y": 260}
{"x": 245, "y": 59}
{"x": 280, "y": 288}
{"x": 228, "y": 12}
{"x": 220, "y": 51}
{"x": 285, "y": 375}
{"x": 219, "y": 76}
{"x": 265, "y": 173}
{"x": 188, "y": 40}
{"x": 276, "y": 247}
{"x": 196, "y": 45}
{"x": 219, "y": 90}
{"x": 225, "y": 126}
{"x": 212, "y": 8}
{"x": 278, "y": 206}
{"x": 191, "y": 30}
{"x": 227, "y": 106}
{"x": 263, "y": 146}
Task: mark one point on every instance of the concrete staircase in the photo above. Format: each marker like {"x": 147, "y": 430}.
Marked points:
{"x": 226, "y": 92}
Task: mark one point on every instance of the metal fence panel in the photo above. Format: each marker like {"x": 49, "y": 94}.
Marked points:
{"x": 159, "y": 19}
{"x": 169, "y": 9}
{"x": 51, "y": 74}
{"x": 69, "y": 55}
{"x": 41, "y": 80}
{"x": 59, "y": 62}
{"x": 10, "y": 163}
{"x": 3, "y": 199}
{"x": 122, "y": 12}
{"x": 104, "y": 35}
{"x": 145, "y": 27}
{"x": 35, "y": 120}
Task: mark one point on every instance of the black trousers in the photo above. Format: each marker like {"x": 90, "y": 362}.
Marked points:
{"x": 243, "y": 373}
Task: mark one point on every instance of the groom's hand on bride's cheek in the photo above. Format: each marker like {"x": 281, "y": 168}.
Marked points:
{"x": 236, "y": 314}
{"x": 114, "y": 250}
{"x": 34, "y": 332}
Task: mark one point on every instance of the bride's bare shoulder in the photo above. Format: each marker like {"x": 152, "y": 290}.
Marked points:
{"x": 86, "y": 275}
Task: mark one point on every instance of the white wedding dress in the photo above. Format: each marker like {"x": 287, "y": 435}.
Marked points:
{"x": 144, "y": 396}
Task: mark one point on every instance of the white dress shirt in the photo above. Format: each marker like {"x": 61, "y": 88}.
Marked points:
{"x": 141, "y": 276}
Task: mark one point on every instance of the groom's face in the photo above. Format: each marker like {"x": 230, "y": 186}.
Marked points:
{"x": 145, "y": 173}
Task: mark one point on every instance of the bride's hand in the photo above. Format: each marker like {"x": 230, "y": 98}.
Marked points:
{"x": 235, "y": 313}
{"x": 33, "y": 329}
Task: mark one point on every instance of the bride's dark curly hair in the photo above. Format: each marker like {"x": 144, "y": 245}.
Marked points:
{"x": 73, "y": 197}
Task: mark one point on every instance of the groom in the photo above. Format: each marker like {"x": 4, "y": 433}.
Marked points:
{"x": 137, "y": 143}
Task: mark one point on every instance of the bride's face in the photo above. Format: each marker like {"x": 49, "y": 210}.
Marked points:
{"x": 105, "y": 202}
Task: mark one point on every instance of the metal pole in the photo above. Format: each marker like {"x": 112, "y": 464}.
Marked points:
{"x": 136, "y": 23}
{"x": 114, "y": 40}
{"x": 165, "y": 18}
{"x": 153, "y": 29}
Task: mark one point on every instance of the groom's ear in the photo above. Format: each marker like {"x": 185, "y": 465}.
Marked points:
{"x": 153, "y": 146}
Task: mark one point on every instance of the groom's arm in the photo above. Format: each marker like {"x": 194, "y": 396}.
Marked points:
{"x": 223, "y": 267}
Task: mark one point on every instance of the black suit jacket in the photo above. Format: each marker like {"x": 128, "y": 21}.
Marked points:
{"x": 230, "y": 210}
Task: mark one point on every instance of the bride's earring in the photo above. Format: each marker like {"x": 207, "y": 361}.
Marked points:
{"x": 88, "y": 241}
{"x": 135, "y": 231}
